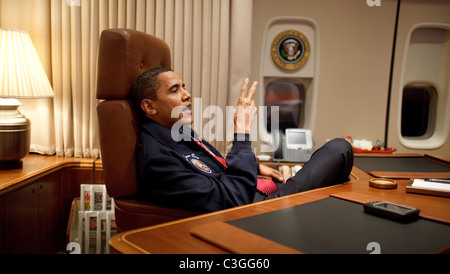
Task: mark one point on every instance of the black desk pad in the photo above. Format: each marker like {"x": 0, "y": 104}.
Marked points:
{"x": 399, "y": 164}
{"x": 336, "y": 226}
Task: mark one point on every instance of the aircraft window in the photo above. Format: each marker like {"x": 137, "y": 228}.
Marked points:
{"x": 290, "y": 98}
{"x": 418, "y": 107}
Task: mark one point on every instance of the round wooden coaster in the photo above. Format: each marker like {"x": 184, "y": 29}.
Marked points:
{"x": 382, "y": 183}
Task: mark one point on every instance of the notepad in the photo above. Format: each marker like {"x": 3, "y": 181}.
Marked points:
{"x": 423, "y": 186}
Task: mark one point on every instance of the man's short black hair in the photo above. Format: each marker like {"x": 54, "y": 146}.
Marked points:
{"x": 145, "y": 87}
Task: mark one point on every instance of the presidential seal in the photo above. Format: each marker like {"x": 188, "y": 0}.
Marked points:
{"x": 290, "y": 49}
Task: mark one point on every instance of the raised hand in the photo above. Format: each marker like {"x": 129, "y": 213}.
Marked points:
{"x": 246, "y": 110}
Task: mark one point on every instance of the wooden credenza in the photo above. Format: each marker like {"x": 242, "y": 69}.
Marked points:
{"x": 35, "y": 201}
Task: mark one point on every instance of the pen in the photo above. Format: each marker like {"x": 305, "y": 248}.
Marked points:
{"x": 445, "y": 181}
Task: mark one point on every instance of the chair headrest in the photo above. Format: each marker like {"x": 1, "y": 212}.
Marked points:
{"x": 123, "y": 55}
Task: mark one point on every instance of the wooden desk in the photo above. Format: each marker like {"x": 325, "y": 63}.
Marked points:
{"x": 403, "y": 166}
{"x": 176, "y": 237}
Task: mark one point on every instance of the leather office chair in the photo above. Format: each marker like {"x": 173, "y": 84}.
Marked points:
{"x": 123, "y": 55}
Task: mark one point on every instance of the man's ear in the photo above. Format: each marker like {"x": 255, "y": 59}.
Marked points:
{"x": 148, "y": 106}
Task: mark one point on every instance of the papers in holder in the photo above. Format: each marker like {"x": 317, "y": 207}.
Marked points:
{"x": 440, "y": 187}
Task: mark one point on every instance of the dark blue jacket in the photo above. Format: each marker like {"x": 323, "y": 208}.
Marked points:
{"x": 185, "y": 176}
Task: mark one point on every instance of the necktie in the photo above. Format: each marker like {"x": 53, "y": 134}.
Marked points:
{"x": 218, "y": 158}
{"x": 264, "y": 184}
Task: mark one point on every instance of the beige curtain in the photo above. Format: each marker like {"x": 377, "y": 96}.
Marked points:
{"x": 74, "y": 35}
{"x": 197, "y": 32}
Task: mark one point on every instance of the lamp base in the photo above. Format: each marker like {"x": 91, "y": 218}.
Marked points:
{"x": 14, "y": 133}
{"x": 11, "y": 165}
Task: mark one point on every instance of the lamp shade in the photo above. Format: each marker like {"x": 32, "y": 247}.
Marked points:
{"x": 21, "y": 72}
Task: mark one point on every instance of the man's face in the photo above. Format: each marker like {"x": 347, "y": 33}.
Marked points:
{"x": 172, "y": 103}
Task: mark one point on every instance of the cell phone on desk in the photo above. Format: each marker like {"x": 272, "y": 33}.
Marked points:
{"x": 392, "y": 211}
{"x": 295, "y": 145}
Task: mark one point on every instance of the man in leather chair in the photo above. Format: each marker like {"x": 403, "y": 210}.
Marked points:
{"x": 190, "y": 174}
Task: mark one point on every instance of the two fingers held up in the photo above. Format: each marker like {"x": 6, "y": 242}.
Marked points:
{"x": 246, "y": 110}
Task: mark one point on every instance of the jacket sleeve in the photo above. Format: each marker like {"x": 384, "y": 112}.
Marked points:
{"x": 167, "y": 178}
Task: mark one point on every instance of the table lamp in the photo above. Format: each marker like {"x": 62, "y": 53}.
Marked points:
{"x": 21, "y": 76}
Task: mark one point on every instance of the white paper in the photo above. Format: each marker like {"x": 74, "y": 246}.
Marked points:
{"x": 430, "y": 185}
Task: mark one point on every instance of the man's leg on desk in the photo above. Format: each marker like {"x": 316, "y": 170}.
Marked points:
{"x": 329, "y": 165}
